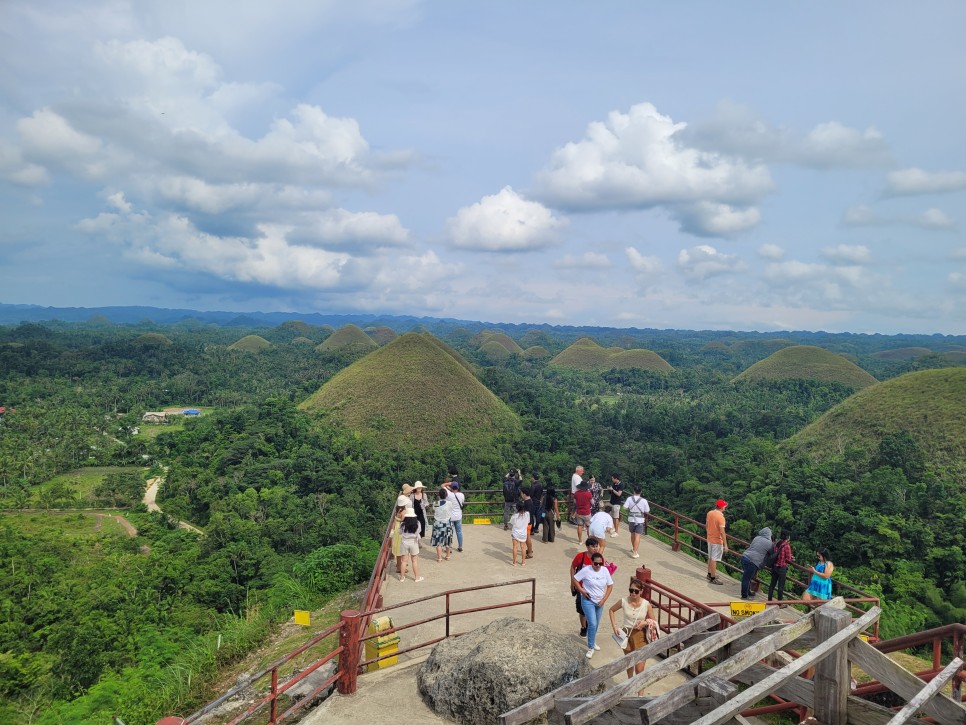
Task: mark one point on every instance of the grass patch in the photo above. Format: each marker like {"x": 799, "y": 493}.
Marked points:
{"x": 83, "y": 481}
{"x": 79, "y": 527}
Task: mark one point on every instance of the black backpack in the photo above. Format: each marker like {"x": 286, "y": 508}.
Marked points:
{"x": 510, "y": 491}
{"x": 771, "y": 556}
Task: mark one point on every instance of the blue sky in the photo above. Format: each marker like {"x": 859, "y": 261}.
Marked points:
{"x": 699, "y": 165}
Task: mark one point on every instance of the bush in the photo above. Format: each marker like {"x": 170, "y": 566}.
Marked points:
{"x": 332, "y": 569}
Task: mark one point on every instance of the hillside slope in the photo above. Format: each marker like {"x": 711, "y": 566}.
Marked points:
{"x": 807, "y": 362}
{"x": 415, "y": 390}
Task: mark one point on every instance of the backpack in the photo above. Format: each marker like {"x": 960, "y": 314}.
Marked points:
{"x": 771, "y": 556}
{"x": 510, "y": 492}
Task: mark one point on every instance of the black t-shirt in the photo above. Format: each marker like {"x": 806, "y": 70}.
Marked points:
{"x": 616, "y": 495}
{"x": 536, "y": 493}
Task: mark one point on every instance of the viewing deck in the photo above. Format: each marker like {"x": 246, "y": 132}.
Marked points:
{"x": 486, "y": 560}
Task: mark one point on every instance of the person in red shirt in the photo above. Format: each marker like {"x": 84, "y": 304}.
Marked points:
{"x": 582, "y": 501}
{"x": 783, "y": 557}
{"x": 582, "y": 559}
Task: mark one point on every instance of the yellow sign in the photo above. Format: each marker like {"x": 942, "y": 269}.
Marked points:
{"x": 740, "y": 610}
{"x": 303, "y": 617}
{"x": 481, "y": 521}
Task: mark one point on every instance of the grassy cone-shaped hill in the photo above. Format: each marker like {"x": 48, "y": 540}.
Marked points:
{"x": 585, "y": 354}
{"x": 346, "y": 338}
{"x": 536, "y": 352}
{"x": 500, "y": 338}
{"x": 153, "y": 339}
{"x": 295, "y": 328}
{"x": 495, "y": 352}
{"x": 807, "y": 362}
{"x": 415, "y": 391}
{"x": 381, "y": 335}
{"x": 928, "y": 405}
{"x": 251, "y": 343}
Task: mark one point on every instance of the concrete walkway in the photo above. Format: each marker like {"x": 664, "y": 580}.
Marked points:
{"x": 388, "y": 692}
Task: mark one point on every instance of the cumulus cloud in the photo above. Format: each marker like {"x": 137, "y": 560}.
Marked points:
{"x": 737, "y": 130}
{"x": 931, "y": 220}
{"x": 847, "y": 254}
{"x": 13, "y": 168}
{"x": 504, "y": 222}
{"x": 713, "y": 219}
{"x": 641, "y": 263}
{"x": 771, "y": 251}
{"x": 587, "y": 260}
{"x": 704, "y": 261}
{"x": 906, "y": 182}
{"x": 342, "y": 229}
{"x": 634, "y": 160}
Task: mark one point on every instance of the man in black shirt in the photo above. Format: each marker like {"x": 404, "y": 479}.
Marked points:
{"x": 616, "y": 499}
{"x": 536, "y": 493}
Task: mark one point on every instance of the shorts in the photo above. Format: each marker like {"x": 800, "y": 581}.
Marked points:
{"x": 635, "y": 528}
{"x": 409, "y": 546}
{"x": 716, "y": 552}
{"x": 598, "y": 533}
{"x": 582, "y": 520}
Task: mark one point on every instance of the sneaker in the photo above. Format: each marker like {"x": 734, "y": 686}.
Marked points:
{"x": 614, "y": 535}
{"x": 716, "y": 580}
{"x": 583, "y": 631}
{"x": 419, "y": 579}
{"x": 635, "y": 555}
{"x": 460, "y": 549}
{"x": 597, "y": 647}
{"x": 590, "y": 653}
{"x": 505, "y": 527}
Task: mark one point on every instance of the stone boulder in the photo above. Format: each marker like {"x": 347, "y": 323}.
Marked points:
{"x": 474, "y": 678}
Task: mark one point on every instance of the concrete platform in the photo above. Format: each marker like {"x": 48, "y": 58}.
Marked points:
{"x": 389, "y": 692}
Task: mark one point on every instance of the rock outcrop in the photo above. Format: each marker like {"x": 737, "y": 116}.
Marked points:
{"x": 474, "y": 678}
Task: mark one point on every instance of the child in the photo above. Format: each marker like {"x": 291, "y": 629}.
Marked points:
{"x": 410, "y": 545}
{"x": 519, "y": 523}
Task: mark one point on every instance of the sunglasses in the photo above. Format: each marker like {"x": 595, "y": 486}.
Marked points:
{"x": 635, "y": 591}
{"x": 598, "y": 563}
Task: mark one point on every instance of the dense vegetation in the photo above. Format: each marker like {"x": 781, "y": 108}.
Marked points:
{"x": 96, "y": 622}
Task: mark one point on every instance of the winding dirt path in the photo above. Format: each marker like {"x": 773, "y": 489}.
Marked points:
{"x": 150, "y": 501}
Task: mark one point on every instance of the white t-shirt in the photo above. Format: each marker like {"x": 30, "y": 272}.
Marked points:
{"x": 518, "y": 526}
{"x": 456, "y": 500}
{"x": 575, "y": 480}
{"x": 599, "y": 524}
{"x": 595, "y": 581}
{"x": 636, "y": 507}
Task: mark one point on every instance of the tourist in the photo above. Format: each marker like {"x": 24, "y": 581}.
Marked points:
{"x": 410, "y": 545}
{"x": 637, "y": 509}
{"x": 519, "y": 525}
{"x": 420, "y": 504}
{"x": 575, "y": 480}
{"x": 820, "y": 587}
{"x": 616, "y": 489}
{"x": 536, "y": 493}
{"x": 717, "y": 539}
{"x": 511, "y": 494}
{"x": 600, "y": 524}
{"x": 528, "y": 506}
{"x": 551, "y": 513}
{"x": 753, "y": 558}
{"x": 637, "y": 622}
{"x": 594, "y": 585}
{"x": 402, "y": 503}
{"x": 783, "y": 557}
{"x": 442, "y": 528}
{"x": 582, "y": 559}
{"x": 582, "y": 509}
{"x": 596, "y": 493}
{"x": 458, "y": 500}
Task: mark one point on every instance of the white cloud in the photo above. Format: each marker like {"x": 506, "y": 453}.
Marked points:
{"x": 118, "y": 202}
{"x": 339, "y": 228}
{"x": 14, "y": 169}
{"x": 736, "y": 129}
{"x": 48, "y": 134}
{"x": 713, "y": 219}
{"x": 642, "y": 264}
{"x": 931, "y": 219}
{"x": 936, "y": 219}
{"x": 793, "y": 270}
{"x": 504, "y": 222}
{"x": 771, "y": 251}
{"x": 587, "y": 260}
{"x": 634, "y": 161}
{"x": 917, "y": 181}
{"x": 705, "y": 261}
{"x": 847, "y": 254}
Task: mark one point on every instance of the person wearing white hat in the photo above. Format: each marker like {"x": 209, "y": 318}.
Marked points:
{"x": 402, "y": 503}
{"x": 420, "y": 503}
{"x": 410, "y": 544}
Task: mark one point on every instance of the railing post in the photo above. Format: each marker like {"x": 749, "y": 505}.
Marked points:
{"x": 957, "y": 692}
{"x": 274, "y": 706}
{"x": 676, "y": 544}
{"x": 533, "y": 599}
{"x": 831, "y": 673}
{"x": 447, "y": 614}
{"x": 349, "y": 640}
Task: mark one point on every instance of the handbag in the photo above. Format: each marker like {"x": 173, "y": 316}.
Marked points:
{"x": 621, "y": 638}
{"x": 611, "y": 567}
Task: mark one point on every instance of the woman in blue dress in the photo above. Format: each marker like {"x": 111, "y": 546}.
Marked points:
{"x": 820, "y": 587}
